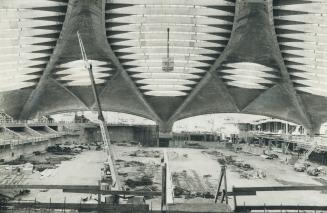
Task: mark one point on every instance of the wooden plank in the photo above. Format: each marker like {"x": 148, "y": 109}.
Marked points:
{"x": 87, "y": 189}
{"x": 248, "y": 193}
{"x": 280, "y": 188}
{"x": 279, "y": 207}
{"x": 108, "y": 192}
{"x": 77, "y": 206}
{"x": 90, "y": 187}
{"x": 82, "y": 206}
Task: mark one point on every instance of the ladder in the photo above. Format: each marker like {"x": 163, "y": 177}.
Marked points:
{"x": 308, "y": 153}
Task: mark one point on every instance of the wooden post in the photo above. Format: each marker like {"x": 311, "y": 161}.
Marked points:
{"x": 234, "y": 196}
{"x": 224, "y": 192}
{"x": 225, "y": 180}
{"x": 65, "y": 205}
{"x": 99, "y": 195}
{"x": 222, "y": 172}
{"x": 163, "y": 190}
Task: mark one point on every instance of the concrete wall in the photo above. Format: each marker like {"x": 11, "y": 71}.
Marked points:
{"x": 89, "y": 135}
{"x": 146, "y": 135}
{"x": 192, "y": 136}
{"x": 121, "y": 134}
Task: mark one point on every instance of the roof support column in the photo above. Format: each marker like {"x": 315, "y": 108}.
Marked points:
{"x": 287, "y": 83}
{"x": 36, "y": 94}
{"x": 165, "y": 127}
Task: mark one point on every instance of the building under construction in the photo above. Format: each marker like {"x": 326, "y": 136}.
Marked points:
{"x": 163, "y": 62}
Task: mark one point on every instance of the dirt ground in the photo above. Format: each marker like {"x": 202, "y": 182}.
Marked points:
{"x": 197, "y": 170}
{"x": 85, "y": 169}
{"x": 204, "y": 167}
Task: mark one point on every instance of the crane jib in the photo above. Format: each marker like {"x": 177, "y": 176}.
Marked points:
{"x": 103, "y": 128}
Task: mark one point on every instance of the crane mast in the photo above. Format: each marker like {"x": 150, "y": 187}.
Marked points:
{"x": 103, "y": 128}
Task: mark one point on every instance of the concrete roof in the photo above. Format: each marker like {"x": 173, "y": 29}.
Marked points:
{"x": 264, "y": 57}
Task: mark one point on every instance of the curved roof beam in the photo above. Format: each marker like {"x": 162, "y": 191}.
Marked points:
{"x": 34, "y": 97}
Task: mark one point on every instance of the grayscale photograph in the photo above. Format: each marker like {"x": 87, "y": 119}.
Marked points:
{"x": 163, "y": 106}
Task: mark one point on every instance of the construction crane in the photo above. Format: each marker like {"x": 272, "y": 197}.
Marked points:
{"x": 104, "y": 131}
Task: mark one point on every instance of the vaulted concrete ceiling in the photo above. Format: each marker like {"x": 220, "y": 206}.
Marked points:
{"x": 265, "y": 57}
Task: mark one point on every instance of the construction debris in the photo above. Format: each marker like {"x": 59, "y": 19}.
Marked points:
{"x": 303, "y": 166}
{"x": 42, "y": 167}
{"x": 257, "y": 174}
{"x": 144, "y": 153}
{"x": 189, "y": 185}
{"x": 140, "y": 181}
{"x": 60, "y": 150}
{"x": 313, "y": 171}
{"x": 133, "y": 164}
{"x": 300, "y": 166}
{"x": 10, "y": 194}
{"x": 269, "y": 156}
{"x": 245, "y": 170}
{"x": 142, "y": 173}
{"x": 194, "y": 145}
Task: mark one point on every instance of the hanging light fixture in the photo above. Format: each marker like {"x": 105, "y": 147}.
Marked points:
{"x": 168, "y": 62}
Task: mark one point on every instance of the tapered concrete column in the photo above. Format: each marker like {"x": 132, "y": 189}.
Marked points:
{"x": 315, "y": 130}
{"x": 165, "y": 127}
